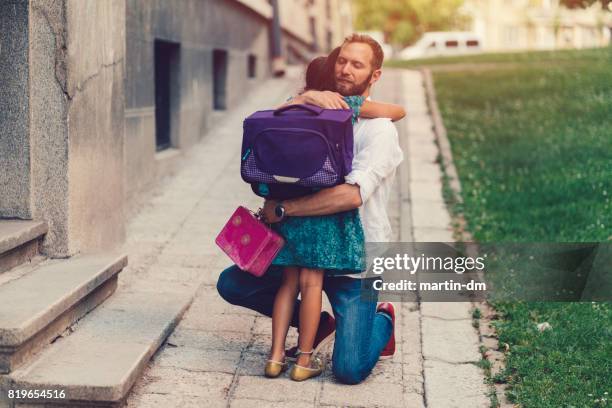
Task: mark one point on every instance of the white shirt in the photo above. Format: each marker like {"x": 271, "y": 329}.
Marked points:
{"x": 376, "y": 156}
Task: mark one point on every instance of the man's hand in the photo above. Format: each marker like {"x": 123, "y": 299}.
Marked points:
{"x": 326, "y": 201}
{"x": 269, "y": 213}
{"x": 324, "y": 99}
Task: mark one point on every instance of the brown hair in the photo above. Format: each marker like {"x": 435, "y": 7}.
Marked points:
{"x": 378, "y": 54}
{"x": 320, "y": 72}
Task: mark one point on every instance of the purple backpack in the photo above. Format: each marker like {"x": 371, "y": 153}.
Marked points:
{"x": 290, "y": 151}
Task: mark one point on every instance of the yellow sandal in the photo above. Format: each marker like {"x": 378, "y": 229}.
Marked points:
{"x": 301, "y": 373}
{"x": 274, "y": 368}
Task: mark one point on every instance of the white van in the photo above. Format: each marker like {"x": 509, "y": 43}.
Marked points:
{"x": 443, "y": 43}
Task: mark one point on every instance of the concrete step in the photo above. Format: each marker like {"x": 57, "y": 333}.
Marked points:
{"x": 19, "y": 241}
{"x": 39, "y": 305}
{"x": 99, "y": 362}
{"x": 21, "y": 270}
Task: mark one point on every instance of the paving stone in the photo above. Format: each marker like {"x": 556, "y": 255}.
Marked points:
{"x": 252, "y": 364}
{"x": 209, "y": 387}
{"x": 280, "y": 389}
{"x": 454, "y": 341}
{"x": 386, "y": 371}
{"x": 263, "y": 325}
{"x": 420, "y": 129}
{"x": 454, "y": 386}
{"x": 413, "y": 364}
{"x": 410, "y": 332}
{"x": 413, "y": 400}
{"x": 423, "y": 150}
{"x": 428, "y": 234}
{"x": 193, "y": 359}
{"x": 197, "y": 260}
{"x": 447, "y": 310}
{"x": 161, "y": 273}
{"x": 423, "y": 190}
{"x": 218, "y": 322}
{"x": 169, "y": 401}
{"x": 430, "y": 214}
{"x": 208, "y": 302}
{"x": 366, "y": 394}
{"x": 205, "y": 340}
{"x": 413, "y": 383}
{"x": 424, "y": 171}
{"x": 261, "y": 342}
{"x": 255, "y": 403}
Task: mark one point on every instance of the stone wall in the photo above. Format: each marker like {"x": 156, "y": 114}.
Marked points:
{"x": 95, "y": 89}
{"x": 49, "y": 122}
{"x": 14, "y": 123}
{"x": 64, "y": 150}
{"x": 198, "y": 28}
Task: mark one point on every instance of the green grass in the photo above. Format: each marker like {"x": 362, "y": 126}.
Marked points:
{"x": 532, "y": 143}
{"x": 539, "y": 57}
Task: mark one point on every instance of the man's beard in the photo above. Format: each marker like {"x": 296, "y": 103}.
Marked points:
{"x": 354, "y": 89}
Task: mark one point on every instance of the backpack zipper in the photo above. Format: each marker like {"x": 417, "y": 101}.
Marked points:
{"x": 246, "y": 154}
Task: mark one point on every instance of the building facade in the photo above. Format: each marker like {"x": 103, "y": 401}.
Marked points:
{"x": 98, "y": 100}
{"x": 101, "y": 98}
{"x": 537, "y": 25}
{"x": 183, "y": 65}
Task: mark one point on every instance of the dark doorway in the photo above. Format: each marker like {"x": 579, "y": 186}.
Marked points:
{"x": 219, "y": 78}
{"x": 252, "y": 66}
{"x": 313, "y": 32}
{"x": 167, "y": 57}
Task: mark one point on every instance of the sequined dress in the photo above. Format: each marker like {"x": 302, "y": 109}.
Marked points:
{"x": 332, "y": 242}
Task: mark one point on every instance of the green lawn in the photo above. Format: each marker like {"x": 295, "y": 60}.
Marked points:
{"x": 532, "y": 143}
{"x": 542, "y": 57}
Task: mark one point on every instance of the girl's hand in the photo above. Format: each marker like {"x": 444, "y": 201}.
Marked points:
{"x": 324, "y": 99}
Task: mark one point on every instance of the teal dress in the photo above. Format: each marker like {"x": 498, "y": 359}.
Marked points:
{"x": 332, "y": 242}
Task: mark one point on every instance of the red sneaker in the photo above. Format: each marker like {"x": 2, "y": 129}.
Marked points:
{"x": 389, "y": 349}
{"x": 325, "y": 334}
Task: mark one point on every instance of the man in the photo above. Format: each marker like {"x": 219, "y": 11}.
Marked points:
{"x": 364, "y": 333}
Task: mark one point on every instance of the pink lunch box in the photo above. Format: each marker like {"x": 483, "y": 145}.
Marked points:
{"x": 249, "y": 242}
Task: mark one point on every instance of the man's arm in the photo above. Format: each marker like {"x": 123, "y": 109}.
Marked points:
{"x": 324, "y": 99}
{"x": 331, "y": 200}
{"x": 377, "y": 157}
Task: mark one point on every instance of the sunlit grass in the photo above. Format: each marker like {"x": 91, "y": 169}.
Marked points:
{"x": 532, "y": 143}
{"x": 539, "y": 57}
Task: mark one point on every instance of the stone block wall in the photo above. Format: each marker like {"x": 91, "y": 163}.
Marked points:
{"x": 64, "y": 151}
{"x": 197, "y": 28}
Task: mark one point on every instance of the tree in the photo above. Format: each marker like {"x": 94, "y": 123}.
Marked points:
{"x": 404, "y": 21}
{"x": 585, "y": 3}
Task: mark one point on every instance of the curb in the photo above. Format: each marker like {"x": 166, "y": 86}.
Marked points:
{"x": 487, "y": 335}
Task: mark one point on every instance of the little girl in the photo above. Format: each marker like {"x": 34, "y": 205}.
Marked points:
{"x": 331, "y": 243}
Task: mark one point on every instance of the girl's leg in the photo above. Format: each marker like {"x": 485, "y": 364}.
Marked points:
{"x": 311, "y": 287}
{"x": 283, "y": 311}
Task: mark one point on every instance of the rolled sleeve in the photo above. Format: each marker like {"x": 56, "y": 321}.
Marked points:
{"x": 366, "y": 182}
{"x": 378, "y": 155}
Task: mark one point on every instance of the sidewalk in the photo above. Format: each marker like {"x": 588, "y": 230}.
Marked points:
{"x": 216, "y": 354}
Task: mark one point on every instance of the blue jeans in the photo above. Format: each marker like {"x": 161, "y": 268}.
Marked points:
{"x": 361, "y": 333}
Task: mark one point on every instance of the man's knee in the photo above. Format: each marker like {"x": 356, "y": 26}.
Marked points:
{"x": 348, "y": 373}
{"x": 226, "y": 285}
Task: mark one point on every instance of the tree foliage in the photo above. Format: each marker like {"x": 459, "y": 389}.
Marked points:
{"x": 404, "y": 21}
{"x": 585, "y": 3}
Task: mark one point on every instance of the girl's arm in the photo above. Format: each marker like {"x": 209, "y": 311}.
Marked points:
{"x": 324, "y": 99}
{"x": 371, "y": 109}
